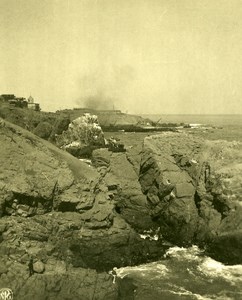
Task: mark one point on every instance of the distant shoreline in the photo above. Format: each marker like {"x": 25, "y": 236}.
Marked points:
{"x": 216, "y": 120}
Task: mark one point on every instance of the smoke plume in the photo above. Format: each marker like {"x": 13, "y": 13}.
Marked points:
{"x": 107, "y": 89}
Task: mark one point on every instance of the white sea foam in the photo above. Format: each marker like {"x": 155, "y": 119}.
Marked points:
{"x": 191, "y": 253}
{"x": 181, "y": 291}
{"x": 151, "y": 234}
{"x": 206, "y": 265}
{"x": 188, "y": 293}
{"x": 188, "y": 273}
{"x": 212, "y": 268}
{"x": 195, "y": 125}
{"x": 155, "y": 269}
{"x": 150, "y": 237}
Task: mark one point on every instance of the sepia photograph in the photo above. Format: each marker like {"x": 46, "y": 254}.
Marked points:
{"x": 121, "y": 150}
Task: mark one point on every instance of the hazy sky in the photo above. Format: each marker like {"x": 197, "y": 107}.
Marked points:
{"x": 140, "y": 56}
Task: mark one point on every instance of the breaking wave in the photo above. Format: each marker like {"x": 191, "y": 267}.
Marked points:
{"x": 188, "y": 274}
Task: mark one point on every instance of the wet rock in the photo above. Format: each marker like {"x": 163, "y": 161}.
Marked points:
{"x": 226, "y": 245}
{"x": 127, "y": 288}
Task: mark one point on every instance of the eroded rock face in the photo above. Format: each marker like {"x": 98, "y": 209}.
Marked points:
{"x": 68, "y": 215}
{"x": 35, "y": 174}
{"x": 121, "y": 179}
{"x": 55, "y": 207}
{"x": 193, "y": 189}
{"x": 169, "y": 188}
{"x": 58, "y": 281}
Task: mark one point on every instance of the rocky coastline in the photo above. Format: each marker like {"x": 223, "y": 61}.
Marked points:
{"x": 78, "y": 221}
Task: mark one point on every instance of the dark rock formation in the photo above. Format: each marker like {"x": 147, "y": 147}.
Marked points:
{"x": 55, "y": 207}
{"x": 70, "y": 217}
{"x": 120, "y": 177}
{"x": 192, "y": 187}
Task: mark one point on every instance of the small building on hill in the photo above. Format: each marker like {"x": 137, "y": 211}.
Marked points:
{"x": 7, "y": 97}
{"x": 32, "y": 104}
{"x": 30, "y": 99}
{"x": 14, "y": 101}
{"x": 20, "y": 101}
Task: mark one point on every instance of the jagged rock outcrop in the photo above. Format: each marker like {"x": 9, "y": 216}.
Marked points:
{"x": 54, "y": 206}
{"x": 59, "y": 281}
{"x": 193, "y": 190}
{"x": 169, "y": 188}
{"x": 70, "y": 217}
{"x": 120, "y": 178}
{"x": 82, "y": 136}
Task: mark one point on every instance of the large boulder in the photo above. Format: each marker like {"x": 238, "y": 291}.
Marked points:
{"x": 192, "y": 189}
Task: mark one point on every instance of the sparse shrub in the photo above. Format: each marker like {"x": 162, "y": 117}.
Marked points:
{"x": 43, "y": 130}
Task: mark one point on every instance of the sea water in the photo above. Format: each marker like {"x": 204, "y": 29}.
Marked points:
{"x": 185, "y": 273}
{"x": 216, "y": 120}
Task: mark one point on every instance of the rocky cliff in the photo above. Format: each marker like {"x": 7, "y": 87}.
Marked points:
{"x": 193, "y": 188}
{"x": 67, "y": 217}
{"x": 66, "y": 220}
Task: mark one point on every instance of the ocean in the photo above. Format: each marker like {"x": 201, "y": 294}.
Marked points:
{"x": 228, "y": 127}
{"x": 216, "y": 120}
{"x": 185, "y": 273}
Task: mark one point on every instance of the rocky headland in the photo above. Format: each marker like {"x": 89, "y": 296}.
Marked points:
{"x": 65, "y": 215}
{"x": 48, "y": 125}
{"x": 76, "y": 221}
